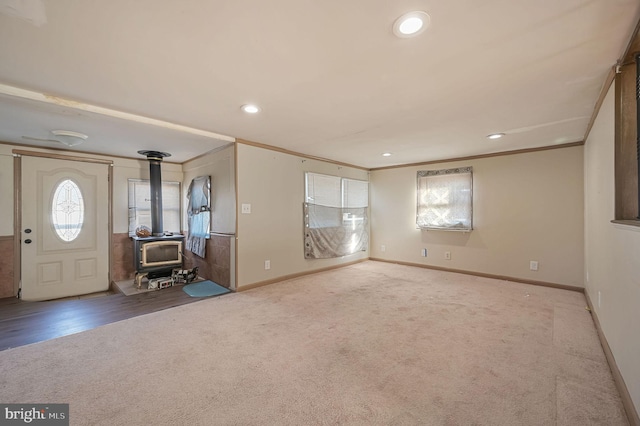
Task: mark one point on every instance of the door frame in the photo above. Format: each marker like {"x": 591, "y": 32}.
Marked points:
{"x": 17, "y": 207}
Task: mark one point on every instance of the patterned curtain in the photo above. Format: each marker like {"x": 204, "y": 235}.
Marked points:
{"x": 445, "y": 199}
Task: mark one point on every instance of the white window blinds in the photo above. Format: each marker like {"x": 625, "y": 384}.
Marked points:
{"x": 355, "y": 193}
{"x": 333, "y": 191}
{"x": 323, "y": 190}
{"x": 140, "y": 205}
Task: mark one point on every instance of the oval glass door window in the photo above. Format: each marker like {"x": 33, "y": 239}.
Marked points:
{"x": 67, "y": 210}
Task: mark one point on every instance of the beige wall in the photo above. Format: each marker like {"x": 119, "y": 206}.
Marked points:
{"x": 273, "y": 183}
{"x": 525, "y": 207}
{"x": 611, "y": 251}
{"x": 6, "y": 190}
{"x": 6, "y": 222}
{"x": 219, "y": 262}
{"x": 220, "y": 165}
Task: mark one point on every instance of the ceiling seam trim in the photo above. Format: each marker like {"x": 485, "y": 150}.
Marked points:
{"x": 55, "y": 100}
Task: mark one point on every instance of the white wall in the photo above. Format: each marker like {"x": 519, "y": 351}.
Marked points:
{"x": 525, "y": 207}
{"x": 220, "y": 165}
{"x": 273, "y": 183}
{"x": 6, "y": 190}
{"x": 612, "y": 253}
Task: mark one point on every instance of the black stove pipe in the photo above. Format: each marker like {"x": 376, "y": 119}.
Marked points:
{"x": 155, "y": 186}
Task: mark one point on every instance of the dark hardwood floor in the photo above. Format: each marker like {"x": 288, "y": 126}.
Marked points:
{"x": 22, "y": 323}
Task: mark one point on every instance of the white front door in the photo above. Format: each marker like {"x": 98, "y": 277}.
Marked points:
{"x": 65, "y": 228}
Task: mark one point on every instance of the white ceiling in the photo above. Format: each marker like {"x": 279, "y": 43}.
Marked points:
{"x": 331, "y": 78}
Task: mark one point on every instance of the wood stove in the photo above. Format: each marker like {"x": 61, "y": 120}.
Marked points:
{"x": 157, "y": 255}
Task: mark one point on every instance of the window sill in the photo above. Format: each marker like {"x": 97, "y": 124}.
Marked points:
{"x": 424, "y": 228}
{"x": 630, "y": 225}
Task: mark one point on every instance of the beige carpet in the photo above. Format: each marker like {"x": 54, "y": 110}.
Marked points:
{"x": 369, "y": 344}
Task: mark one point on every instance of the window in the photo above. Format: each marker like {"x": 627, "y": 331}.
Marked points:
{"x": 355, "y": 193}
{"x": 336, "y": 192}
{"x": 627, "y": 196}
{"x": 335, "y": 216}
{"x": 323, "y": 190}
{"x": 140, "y": 205}
{"x": 445, "y": 199}
{"x": 67, "y": 210}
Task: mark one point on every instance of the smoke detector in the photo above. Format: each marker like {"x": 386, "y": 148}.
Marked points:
{"x": 65, "y": 137}
{"x": 69, "y": 138}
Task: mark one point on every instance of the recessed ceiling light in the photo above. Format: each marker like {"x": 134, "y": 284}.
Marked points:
{"x": 495, "y": 135}
{"x": 411, "y": 24}
{"x": 386, "y": 154}
{"x": 250, "y": 108}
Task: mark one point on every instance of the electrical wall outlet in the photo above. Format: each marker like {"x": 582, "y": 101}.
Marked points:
{"x": 533, "y": 265}
{"x": 383, "y": 248}
{"x": 267, "y": 264}
{"x": 447, "y": 255}
{"x": 246, "y": 208}
{"x": 424, "y": 252}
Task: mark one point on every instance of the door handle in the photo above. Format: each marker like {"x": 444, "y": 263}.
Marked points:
{"x": 27, "y": 241}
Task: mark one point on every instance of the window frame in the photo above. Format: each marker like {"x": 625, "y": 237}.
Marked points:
{"x": 134, "y": 210}
{"x": 336, "y": 219}
{"x": 55, "y": 213}
{"x": 627, "y": 197}
{"x": 347, "y": 218}
{"x": 342, "y": 189}
{"x": 425, "y": 174}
